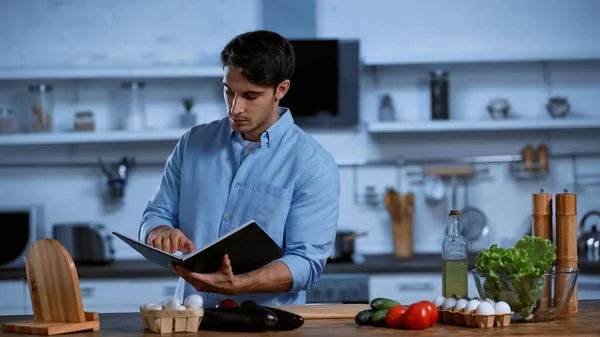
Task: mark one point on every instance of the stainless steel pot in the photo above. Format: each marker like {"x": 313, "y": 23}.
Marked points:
{"x": 344, "y": 245}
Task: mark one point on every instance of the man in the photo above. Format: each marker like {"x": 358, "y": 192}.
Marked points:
{"x": 255, "y": 164}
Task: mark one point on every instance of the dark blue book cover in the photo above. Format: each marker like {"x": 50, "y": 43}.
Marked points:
{"x": 248, "y": 248}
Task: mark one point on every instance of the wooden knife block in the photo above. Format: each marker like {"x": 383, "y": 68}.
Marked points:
{"x": 55, "y": 293}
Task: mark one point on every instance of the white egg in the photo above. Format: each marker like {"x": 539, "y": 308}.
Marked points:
{"x": 472, "y": 305}
{"x": 182, "y": 308}
{"x": 502, "y": 307}
{"x": 460, "y": 304}
{"x": 439, "y": 301}
{"x": 148, "y": 305}
{"x": 194, "y": 301}
{"x": 156, "y": 306}
{"x": 484, "y": 308}
{"x": 172, "y": 304}
{"x": 449, "y": 303}
{"x": 490, "y": 301}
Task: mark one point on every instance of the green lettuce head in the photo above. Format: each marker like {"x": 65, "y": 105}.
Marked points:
{"x": 516, "y": 275}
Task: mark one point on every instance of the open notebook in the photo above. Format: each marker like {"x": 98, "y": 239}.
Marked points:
{"x": 247, "y": 246}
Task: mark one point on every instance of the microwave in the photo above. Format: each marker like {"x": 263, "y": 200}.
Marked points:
{"x": 325, "y": 85}
{"x": 25, "y": 225}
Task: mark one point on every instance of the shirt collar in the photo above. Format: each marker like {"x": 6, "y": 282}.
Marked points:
{"x": 274, "y": 134}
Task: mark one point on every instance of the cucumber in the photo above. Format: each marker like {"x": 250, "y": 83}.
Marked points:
{"x": 382, "y": 303}
{"x": 378, "y": 317}
{"x": 364, "y": 317}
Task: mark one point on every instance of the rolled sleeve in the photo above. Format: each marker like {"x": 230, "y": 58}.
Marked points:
{"x": 311, "y": 224}
{"x": 163, "y": 206}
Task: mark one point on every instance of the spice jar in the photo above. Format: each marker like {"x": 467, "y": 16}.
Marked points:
{"x": 134, "y": 106}
{"x": 6, "y": 120}
{"x": 84, "y": 121}
{"x": 41, "y": 105}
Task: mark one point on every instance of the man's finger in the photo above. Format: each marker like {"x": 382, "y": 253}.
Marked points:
{"x": 188, "y": 275}
{"x": 226, "y": 264}
{"x": 189, "y": 245}
{"x": 166, "y": 244}
{"x": 156, "y": 242}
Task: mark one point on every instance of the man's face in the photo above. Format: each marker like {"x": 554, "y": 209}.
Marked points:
{"x": 251, "y": 108}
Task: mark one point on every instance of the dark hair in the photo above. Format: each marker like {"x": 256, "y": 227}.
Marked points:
{"x": 264, "y": 57}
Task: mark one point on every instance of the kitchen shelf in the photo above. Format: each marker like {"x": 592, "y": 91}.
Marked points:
{"x": 391, "y": 60}
{"x": 484, "y": 125}
{"x": 110, "y": 72}
{"x": 81, "y": 137}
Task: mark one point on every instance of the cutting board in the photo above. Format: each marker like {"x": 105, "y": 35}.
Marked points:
{"x": 325, "y": 311}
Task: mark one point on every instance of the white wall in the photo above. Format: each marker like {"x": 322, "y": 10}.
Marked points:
{"x": 91, "y": 33}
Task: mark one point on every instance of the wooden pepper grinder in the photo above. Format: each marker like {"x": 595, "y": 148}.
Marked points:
{"x": 566, "y": 245}
{"x": 541, "y": 226}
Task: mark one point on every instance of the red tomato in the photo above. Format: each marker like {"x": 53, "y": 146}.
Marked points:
{"x": 433, "y": 312}
{"x": 395, "y": 316}
{"x": 226, "y": 302}
{"x": 417, "y": 317}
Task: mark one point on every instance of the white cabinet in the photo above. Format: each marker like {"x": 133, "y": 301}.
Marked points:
{"x": 121, "y": 295}
{"x": 408, "y": 288}
{"x": 12, "y": 297}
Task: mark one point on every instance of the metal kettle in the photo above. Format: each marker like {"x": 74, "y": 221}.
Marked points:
{"x": 588, "y": 243}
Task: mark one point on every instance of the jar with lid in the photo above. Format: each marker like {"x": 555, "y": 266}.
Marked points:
{"x": 6, "y": 120}
{"x": 133, "y": 106}
{"x": 84, "y": 121}
{"x": 41, "y": 105}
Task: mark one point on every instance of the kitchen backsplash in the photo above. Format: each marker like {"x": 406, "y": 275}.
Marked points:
{"x": 74, "y": 194}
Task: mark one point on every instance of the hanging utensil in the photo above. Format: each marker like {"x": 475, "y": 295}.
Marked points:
{"x": 434, "y": 189}
{"x": 117, "y": 177}
{"x": 473, "y": 220}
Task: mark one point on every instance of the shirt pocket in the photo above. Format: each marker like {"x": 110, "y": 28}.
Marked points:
{"x": 269, "y": 206}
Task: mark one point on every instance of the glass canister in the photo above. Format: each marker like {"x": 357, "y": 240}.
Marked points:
{"x": 6, "y": 120}
{"x": 134, "y": 106}
{"x": 41, "y": 105}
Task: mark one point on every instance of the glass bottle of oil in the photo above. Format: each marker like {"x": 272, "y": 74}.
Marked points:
{"x": 455, "y": 276}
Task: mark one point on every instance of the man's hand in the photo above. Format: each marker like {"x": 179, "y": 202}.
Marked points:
{"x": 222, "y": 281}
{"x": 170, "y": 240}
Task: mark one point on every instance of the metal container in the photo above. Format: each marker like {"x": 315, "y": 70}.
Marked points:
{"x": 343, "y": 249}
{"x": 589, "y": 242}
{"x": 87, "y": 243}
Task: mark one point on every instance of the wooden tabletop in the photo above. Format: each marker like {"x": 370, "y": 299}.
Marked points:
{"x": 585, "y": 323}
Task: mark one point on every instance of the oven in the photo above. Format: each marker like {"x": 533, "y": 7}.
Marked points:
{"x": 339, "y": 288}
{"x": 25, "y": 226}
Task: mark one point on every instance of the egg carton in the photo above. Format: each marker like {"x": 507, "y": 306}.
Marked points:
{"x": 169, "y": 321}
{"x": 471, "y": 319}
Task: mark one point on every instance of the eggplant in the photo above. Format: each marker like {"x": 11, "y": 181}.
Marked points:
{"x": 286, "y": 320}
{"x": 239, "y": 319}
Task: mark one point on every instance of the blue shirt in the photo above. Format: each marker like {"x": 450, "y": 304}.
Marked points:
{"x": 214, "y": 182}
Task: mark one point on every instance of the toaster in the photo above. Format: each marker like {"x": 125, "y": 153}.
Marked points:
{"x": 87, "y": 243}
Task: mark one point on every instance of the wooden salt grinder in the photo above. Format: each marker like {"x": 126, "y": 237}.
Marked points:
{"x": 566, "y": 245}
{"x": 55, "y": 293}
{"x": 541, "y": 226}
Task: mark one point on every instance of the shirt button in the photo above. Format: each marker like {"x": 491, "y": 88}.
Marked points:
{"x": 227, "y": 218}
{"x": 236, "y": 185}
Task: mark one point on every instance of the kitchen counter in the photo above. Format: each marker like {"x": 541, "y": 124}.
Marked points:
{"x": 372, "y": 264}
{"x": 585, "y": 323}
